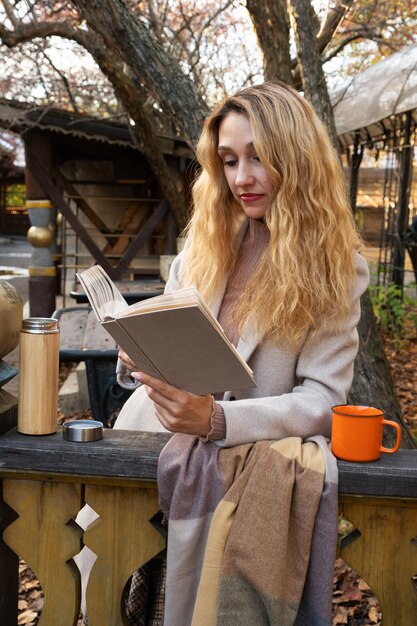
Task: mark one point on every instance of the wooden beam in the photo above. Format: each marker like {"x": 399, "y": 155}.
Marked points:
{"x": 123, "y": 456}
{"x": 383, "y": 553}
{"x": 82, "y": 204}
{"x": 145, "y": 232}
{"x": 59, "y": 202}
{"x": 120, "y": 242}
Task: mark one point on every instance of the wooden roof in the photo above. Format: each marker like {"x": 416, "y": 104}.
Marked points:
{"x": 20, "y": 118}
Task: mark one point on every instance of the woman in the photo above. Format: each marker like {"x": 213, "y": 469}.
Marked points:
{"x": 272, "y": 248}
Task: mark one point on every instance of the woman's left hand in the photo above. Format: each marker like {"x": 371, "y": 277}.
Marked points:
{"x": 178, "y": 411}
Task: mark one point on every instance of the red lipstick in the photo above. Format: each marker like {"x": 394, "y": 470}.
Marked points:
{"x": 250, "y": 197}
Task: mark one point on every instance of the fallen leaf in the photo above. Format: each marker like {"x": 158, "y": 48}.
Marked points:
{"x": 340, "y": 616}
{"x": 36, "y": 604}
{"x": 362, "y": 585}
{"x": 374, "y": 615}
{"x": 30, "y": 584}
{"x": 26, "y": 617}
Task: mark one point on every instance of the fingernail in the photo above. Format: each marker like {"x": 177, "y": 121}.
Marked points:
{"x": 137, "y": 375}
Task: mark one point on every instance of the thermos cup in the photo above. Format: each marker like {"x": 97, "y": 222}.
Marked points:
{"x": 38, "y": 376}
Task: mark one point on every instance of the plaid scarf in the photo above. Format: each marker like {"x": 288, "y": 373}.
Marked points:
{"x": 252, "y": 532}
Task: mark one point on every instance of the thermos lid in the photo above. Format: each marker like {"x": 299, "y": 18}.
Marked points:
{"x": 82, "y": 430}
{"x": 41, "y": 325}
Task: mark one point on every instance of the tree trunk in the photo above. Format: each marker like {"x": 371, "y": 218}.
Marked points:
{"x": 272, "y": 25}
{"x": 133, "y": 96}
{"x": 146, "y": 138}
{"x": 372, "y": 382}
{"x": 149, "y": 63}
{"x": 314, "y": 82}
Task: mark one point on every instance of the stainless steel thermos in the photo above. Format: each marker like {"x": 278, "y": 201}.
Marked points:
{"x": 38, "y": 376}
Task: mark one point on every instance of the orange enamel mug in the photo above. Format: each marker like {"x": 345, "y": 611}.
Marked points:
{"x": 357, "y": 432}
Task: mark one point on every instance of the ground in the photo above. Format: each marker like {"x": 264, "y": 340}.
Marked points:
{"x": 402, "y": 356}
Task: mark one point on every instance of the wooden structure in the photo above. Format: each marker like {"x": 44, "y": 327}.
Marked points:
{"x": 117, "y": 478}
{"x": 91, "y": 197}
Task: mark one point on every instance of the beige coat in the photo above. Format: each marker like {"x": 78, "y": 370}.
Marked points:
{"x": 295, "y": 389}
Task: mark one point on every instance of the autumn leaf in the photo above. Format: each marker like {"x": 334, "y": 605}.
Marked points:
{"x": 27, "y": 617}
{"x": 374, "y": 615}
{"x": 340, "y": 616}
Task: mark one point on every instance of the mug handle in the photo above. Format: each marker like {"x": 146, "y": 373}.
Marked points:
{"x": 398, "y": 440}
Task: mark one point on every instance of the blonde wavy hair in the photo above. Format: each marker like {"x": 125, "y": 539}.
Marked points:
{"x": 307, "y": 271}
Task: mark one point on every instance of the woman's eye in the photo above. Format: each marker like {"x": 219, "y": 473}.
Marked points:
{"x": 256, "y": 158}
{"x": 230, "y": 162}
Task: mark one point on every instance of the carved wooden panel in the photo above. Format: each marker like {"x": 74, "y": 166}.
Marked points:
{"x": 43, "y": 538}
{"x": 46, "y": 536}
{"x": 123, "y": 540}
{"x": 384, "y": 553}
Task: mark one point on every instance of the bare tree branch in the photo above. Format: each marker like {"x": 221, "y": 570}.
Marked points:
{"x": 333, "y": 19}
{"x": 271, "y": 22}
{"x": 314, "y": 83}
{"x": 10, "y": 12}
{"x": 41, "y": 78}
{"x": 355, "y": 35}
{"x": 25, "y": 32}
{"x": 64, "y": 80}
{"x": 211, "y": 19}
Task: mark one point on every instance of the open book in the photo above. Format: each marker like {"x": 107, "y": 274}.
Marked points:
{"x": 173, "y": 337}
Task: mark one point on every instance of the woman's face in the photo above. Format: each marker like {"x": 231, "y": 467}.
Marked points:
{"x": 247, "y": 179}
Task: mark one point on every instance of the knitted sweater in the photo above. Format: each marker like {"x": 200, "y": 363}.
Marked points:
{"x": 253, "y": 245}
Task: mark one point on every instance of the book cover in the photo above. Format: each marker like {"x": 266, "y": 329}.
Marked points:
{"x": 173, "y": 337}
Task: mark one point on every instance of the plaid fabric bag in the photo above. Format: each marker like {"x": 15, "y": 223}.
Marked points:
{"x": 145, "y": 598}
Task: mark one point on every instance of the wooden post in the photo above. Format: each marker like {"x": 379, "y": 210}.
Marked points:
{"x": 9, "y": 568}
{"x": 123, "y": 540}
{"x": 42, "y": 232}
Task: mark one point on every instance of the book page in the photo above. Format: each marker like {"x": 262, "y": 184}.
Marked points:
{"x": 187, "y": 296}
{"x": 103, "y": 295}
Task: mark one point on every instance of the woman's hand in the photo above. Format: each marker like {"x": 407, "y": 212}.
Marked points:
{"x": 127, "y": 361}
{"x": 178, "y": 411}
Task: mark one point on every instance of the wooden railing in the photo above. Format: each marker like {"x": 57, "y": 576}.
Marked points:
{"x": 47, "y": 480}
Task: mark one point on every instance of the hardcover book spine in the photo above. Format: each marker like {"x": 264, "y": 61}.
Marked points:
{"x": 131, "y": 347}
